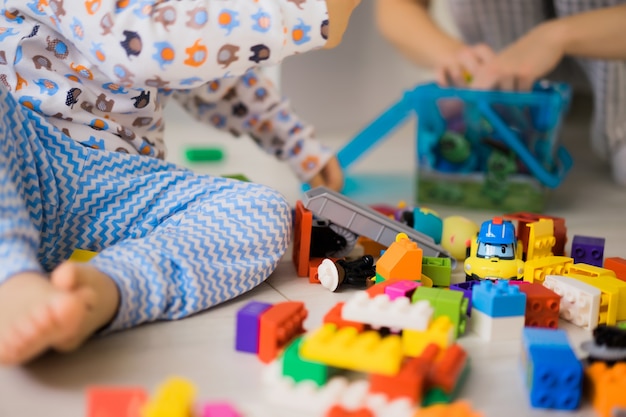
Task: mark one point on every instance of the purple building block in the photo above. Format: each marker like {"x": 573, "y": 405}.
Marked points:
{"x": 588, "y": 250}
{"x": 248, "y": 320}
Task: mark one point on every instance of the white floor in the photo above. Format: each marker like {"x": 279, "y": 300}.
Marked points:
{"x": 201, "y": 348}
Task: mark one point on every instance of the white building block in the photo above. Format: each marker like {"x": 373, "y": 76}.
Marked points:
{"x": 496, "y": 328}
{"x": 580, "y": 302}
{"x": 380, "y": 311}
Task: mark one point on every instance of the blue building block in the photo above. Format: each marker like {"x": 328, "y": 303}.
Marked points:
{"x": 499, "y": 299}
{"x": 248, "y": 320}
{"x": 554, "y": 375}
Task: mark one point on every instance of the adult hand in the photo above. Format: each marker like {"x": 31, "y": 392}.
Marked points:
{"x": 518, "y": 66}
{"x": 459, "y": 67}
{"x": 330, "y": 176}
{"x": 339, "y": 12}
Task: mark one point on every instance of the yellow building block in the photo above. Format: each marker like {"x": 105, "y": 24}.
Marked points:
{"x": 346, "y": 348}
{"x": 401, "y": 260}
{"x": 174, "y": 398}
{"x": 81, "y": 255}
{"x": 613, "y": 297}
{"x": 536, "y": 270}
{"x": 440, "y": 332}
{"x": 541, "y": 239}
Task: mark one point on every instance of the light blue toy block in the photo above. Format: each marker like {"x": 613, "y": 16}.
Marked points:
{"x": 499, "y": 299}
{"x": 540, "y": 336}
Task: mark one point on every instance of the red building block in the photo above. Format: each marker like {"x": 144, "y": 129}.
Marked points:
{"x": 446, "y": 372}
{"x": 115, "y": 401}
{"x": 617, "y": 265}
{"x": 523, "y": 218}
{"x": 279, "y": 325}
{"x": 410, "y": 381}
{"x": 338, "y": 411}
{"x": 303, "y": 226}
{"x": 334, "y": 316}
{"x": 542, "y": 306}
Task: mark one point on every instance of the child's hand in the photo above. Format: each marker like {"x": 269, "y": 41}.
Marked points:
{"x": 339, "y": 12}
{"x": 461, "y": 65}
{"x": 518, "y": 66}
{"x": 330, "y": 176}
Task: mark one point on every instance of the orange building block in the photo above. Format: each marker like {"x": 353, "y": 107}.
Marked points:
{"x": 606, "y": 387}
{"x": 278, "y": 326}
{"x": 410, "y": 381}
{"x": 401, "y": 260}
{"x": 338, "y": 411}
{"x": 456, "y": 409}
{"x": 334, "y": 316}
{"x": 617, "y": 265}
{"x": 115, "y": 401}
{"x": 370, "y": 247}
{"x": 303, "y": 226}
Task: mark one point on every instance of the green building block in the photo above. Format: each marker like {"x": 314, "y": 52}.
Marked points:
{"x": 437, "y": 269}
{"x": 199, "y": 155}
{"x": 239, "y": 177}
{"x": 445, "y": 303}
{"x": 301, "y": 369}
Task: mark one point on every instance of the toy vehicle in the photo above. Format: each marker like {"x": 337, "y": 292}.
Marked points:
{"x": 495, "y": 253}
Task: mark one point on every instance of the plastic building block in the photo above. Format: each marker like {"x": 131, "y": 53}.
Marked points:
{"x": 248, "y": 326}
{"x": 523, "y": 218}
{"x": 305, "y": 396}
{"x": 456, "y": 409}
{"x": 402, "y": 260}
{"x": 339, "y": 411}
{"x": 580, "y": 302}
{"x": 428, "y": 222}
{"x": 380, "y": 311}
{"x": 437, "y": 395}
{"x": 411, "y": 381}
{"x": 496, "y": 328}
{"x": 466, "y": 289}
{"x": 617, "y": 265}
{"x": 279, "y": 325}
{"x": 440, "y": 332}
{"x": 554, "y": 375}
{"x": 299, "y": 369}
{"x": 222, "y": 409}
{"x": 174, "y": 398}
{"x": 541, "y": 239}
{"x": 302, "y": 239}
{"x": 81, "y": 255}
{"x": 347, "y": 349}
{"x": 498, "y": 299}
{"x": 105, "y": 401}
{"x": 542, "y": 306}
{"x": 588, "y": 250}
{"x": 204, "y": 154}
{"x": 403, "y": 288}
{"x": 437, "y": 269}
{"x": 364, "y": 221}
{"x": 447, "y": 303}
{"x": 333, "y": 316}
{"x": 536, "y": 270}
{"x": 612, "y": 308}
{"x": 448, "y": 369}
{"x": 370, "y": 246}
{"x": 606, "y": 388}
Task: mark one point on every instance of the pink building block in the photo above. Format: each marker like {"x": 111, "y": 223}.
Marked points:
{"x": 219, "y": 409}
{"x": 404, "y": 288}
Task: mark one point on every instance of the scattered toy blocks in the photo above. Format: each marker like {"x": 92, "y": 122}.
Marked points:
{"x": 248, "y": 323}
{"x": 617, "y": 265}
{"x": 402, "y": 260}
{"x": 496, "y": 328}
{"x": 499, "y": 299}
{"x": 279, "y": 325}
{"x": 607, "y": 386}
{"x": 174, "y": 398}
{"x": 445, "y": 303}
{"x": 105, "y": 401}
{"x": 588, "y": 250}
{"x": 542, "y": 306}
{"x": 541, "y": 239}
{"x": 580, "y": 302}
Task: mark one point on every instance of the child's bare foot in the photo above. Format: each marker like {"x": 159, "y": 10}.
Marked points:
{"x": 59, "y": 313}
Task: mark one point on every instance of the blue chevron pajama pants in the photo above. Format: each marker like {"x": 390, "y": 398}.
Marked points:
{"x": 174, "y": 242}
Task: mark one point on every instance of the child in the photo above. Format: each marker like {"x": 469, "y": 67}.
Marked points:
{"x": 510, "y": 44}
{"x": 83, "y": 88}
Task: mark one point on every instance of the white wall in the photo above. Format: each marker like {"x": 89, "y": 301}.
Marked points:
{"x": 341, "y": 90}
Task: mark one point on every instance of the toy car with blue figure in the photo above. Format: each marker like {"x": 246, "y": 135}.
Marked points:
{"x": 494, "y": 253}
